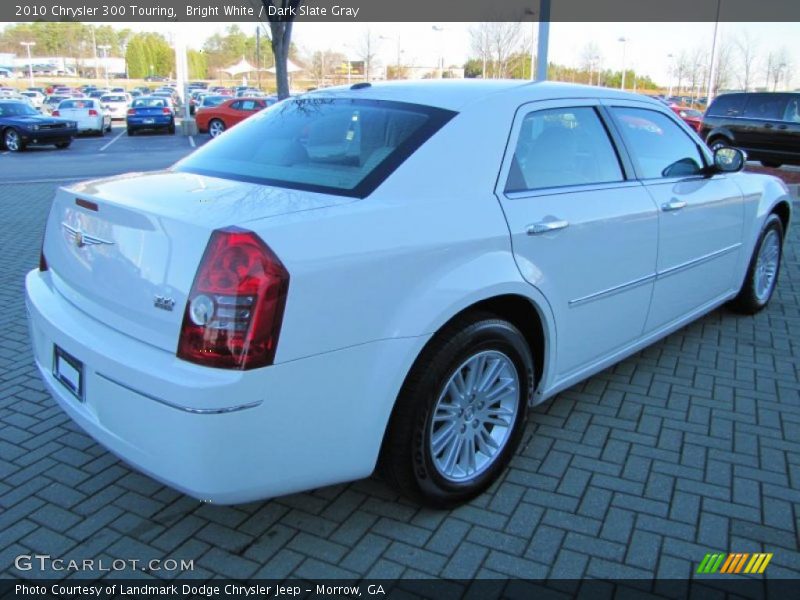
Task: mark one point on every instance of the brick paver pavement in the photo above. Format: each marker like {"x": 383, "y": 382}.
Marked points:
{"x": 689, "y": 447}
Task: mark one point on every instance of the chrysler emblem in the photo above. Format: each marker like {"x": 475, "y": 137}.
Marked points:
{"x": 81, "y": 239}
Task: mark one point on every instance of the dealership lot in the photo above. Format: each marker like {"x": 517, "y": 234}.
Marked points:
{"x": 690, "y": 447}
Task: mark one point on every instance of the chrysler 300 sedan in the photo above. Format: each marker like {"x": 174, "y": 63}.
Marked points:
{"x": 387, "y": 275}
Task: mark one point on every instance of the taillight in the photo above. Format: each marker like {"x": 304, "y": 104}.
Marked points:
{"x": 55, "y": 113}
{"x": 166, "y": 110}
{"x": 235, "y": 309}
{"x": 92, "y": 112}
{"x": 131, "y": 111}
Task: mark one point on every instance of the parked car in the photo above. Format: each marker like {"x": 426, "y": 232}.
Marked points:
{"x": 116, "y": 105}
{"x": 6, "y": 73}
{"x": 215, "y": 120}
{"x": 209, "y": 101}
{"x": 22, "y": 125}
{"x": 387, "y": 273}
{"x": 692, "y": 117}
{"x": 36, "y": 99}
{"x": 87, "y": 112}
{"x": 766, "y": 125}
{"x": 150, "y": 112}
{"x": 51, "y": 103}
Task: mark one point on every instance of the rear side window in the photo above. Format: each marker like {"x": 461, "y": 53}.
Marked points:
{"x": 658, "y": 145}
{"x": 213, "y": 100}
{"x": 792, "y": 113}
{"x": 333, "y": 145}
{"x": 562, "y": 147}
{"x": 727, "y": 105}
{"x": 765, "y": 106}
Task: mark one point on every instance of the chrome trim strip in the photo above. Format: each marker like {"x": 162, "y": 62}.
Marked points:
{"x": 655, "y": 276}
{"x": 696, "y": 261}
{"x": 614, "y": 290}
{"x": 194, "y": 411}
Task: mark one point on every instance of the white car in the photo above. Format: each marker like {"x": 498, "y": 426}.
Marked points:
{"x": 35, "y": 98}
{"x": 388, "y": 271}
{"x": 116, "y": 105}
{"x": 88, "y": 113}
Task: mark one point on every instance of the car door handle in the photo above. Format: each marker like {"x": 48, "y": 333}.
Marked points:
{"x": 546, "y": 226}
{"x": 673, "y": 205}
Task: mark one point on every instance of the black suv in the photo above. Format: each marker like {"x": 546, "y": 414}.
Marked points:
{"x": 765, "y": 125}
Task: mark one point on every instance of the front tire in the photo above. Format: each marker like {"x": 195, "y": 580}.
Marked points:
{"x": 461, "y": 412}
{"x": 63, "y": 145}
{"x": 12, "y": 140}
{"x": 771, "y": 164}
{"x": 216, "y": 127}
{"x": 762, "y": 274}
{"x": 717, "y": 143}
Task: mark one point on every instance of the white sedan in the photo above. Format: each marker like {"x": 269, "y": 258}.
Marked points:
{"x": 116, "y": 105}
{"x": 388, "y": 272}
{"x": 88, "y": 113}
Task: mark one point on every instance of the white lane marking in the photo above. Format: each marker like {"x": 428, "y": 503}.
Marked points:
{"x": 191, "y": 142}
{"x": 119, "y": 135}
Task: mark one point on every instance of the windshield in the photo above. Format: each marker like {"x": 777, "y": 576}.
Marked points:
{"x": 16, "y": 109}
{"x": 342, "y": 146}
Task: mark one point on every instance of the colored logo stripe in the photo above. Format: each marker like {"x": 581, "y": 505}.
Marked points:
{"x": 734, "y": 563}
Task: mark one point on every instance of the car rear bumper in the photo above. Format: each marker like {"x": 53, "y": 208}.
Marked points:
{"x": 220, "y": 435}
{"x": 139, "y": 122}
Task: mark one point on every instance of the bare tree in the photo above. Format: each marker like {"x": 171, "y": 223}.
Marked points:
{"x": 778, "y": 65}
{"x": 680, "y": 69}
{"x": 696, "y": 64}
{"x": 725, "y": 64}
{"x": 367, "y": 51}
{"x": 480, "y": 44}
{"x": 325, "y": 64}
{"x": 281, "y": 15}
{"x": 590, "y": 60}
{"x": 504, "y": 40}
{"x": 746, "y": 47}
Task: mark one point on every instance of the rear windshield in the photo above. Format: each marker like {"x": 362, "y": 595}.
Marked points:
{"x": 338, "y": 146}
{"x": 148, "y": 103}
{"x": 76, "y": 104}
{"x": 115, "y": 98}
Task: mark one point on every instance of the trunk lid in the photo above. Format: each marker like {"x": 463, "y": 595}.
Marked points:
{"x": 125, "y": 250}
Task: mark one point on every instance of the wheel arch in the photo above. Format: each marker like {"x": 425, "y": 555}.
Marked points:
{"x": 784, "y": 212}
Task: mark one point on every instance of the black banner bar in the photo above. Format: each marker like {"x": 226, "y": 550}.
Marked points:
{"x": 369, "y": 11}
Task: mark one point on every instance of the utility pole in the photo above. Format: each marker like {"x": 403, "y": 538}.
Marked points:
{"x": 258, "y": 56}
{"x": 30, "y": 60}
{"x": 105, "y": 48}
{"x": 544, "y": 40}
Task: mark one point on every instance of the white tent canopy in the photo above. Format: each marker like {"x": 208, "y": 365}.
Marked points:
{"x": 239, "y": 68}
{"x": 290, "y": 68}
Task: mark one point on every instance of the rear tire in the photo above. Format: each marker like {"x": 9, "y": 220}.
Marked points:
{"x": 63, "y": 145}
{"x": 131, "y": 131}
{"x": 762, "y": 274}
{"x": 171, "y": 128}
{"x": 461, "y": 412}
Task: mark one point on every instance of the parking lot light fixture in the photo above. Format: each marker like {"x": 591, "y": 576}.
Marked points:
{"x": 624, "y": 41}
{"x": 30, "y": 60}
{"x": 105, "y": 48}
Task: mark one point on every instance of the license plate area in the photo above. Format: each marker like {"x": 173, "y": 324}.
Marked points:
{"x": 68, "y": 370}
{"x": 149, "y": 121}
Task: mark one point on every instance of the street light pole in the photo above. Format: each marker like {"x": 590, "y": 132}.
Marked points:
{"x": 624, "y": 41}
{"x": 669, "y": 74}
{"x": 105, "y": 48}
{"x": 30, "y": 60}
{"x": 439, "y": 29}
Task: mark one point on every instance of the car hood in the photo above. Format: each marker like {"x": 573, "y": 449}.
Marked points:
{"x": 36, "y": 120}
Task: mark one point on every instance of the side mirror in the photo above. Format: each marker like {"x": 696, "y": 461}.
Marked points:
{"x": 729, "y": 160}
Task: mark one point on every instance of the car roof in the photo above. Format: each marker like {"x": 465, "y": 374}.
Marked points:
{"x": 456, "y": 94}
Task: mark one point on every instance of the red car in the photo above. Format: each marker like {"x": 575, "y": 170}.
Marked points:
{"x": 694, "y": 118}
{"x": 217, "y": 119}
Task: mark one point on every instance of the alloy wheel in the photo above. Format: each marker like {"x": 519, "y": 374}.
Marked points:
{"x": 474, "y": 416}
{"x": 767, "y": 265}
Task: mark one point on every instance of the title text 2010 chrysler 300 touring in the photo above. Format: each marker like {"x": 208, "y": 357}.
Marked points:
{"x": 386, "y": 273}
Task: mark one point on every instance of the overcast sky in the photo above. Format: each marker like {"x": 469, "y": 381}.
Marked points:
{"x": 647, "y": 48}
